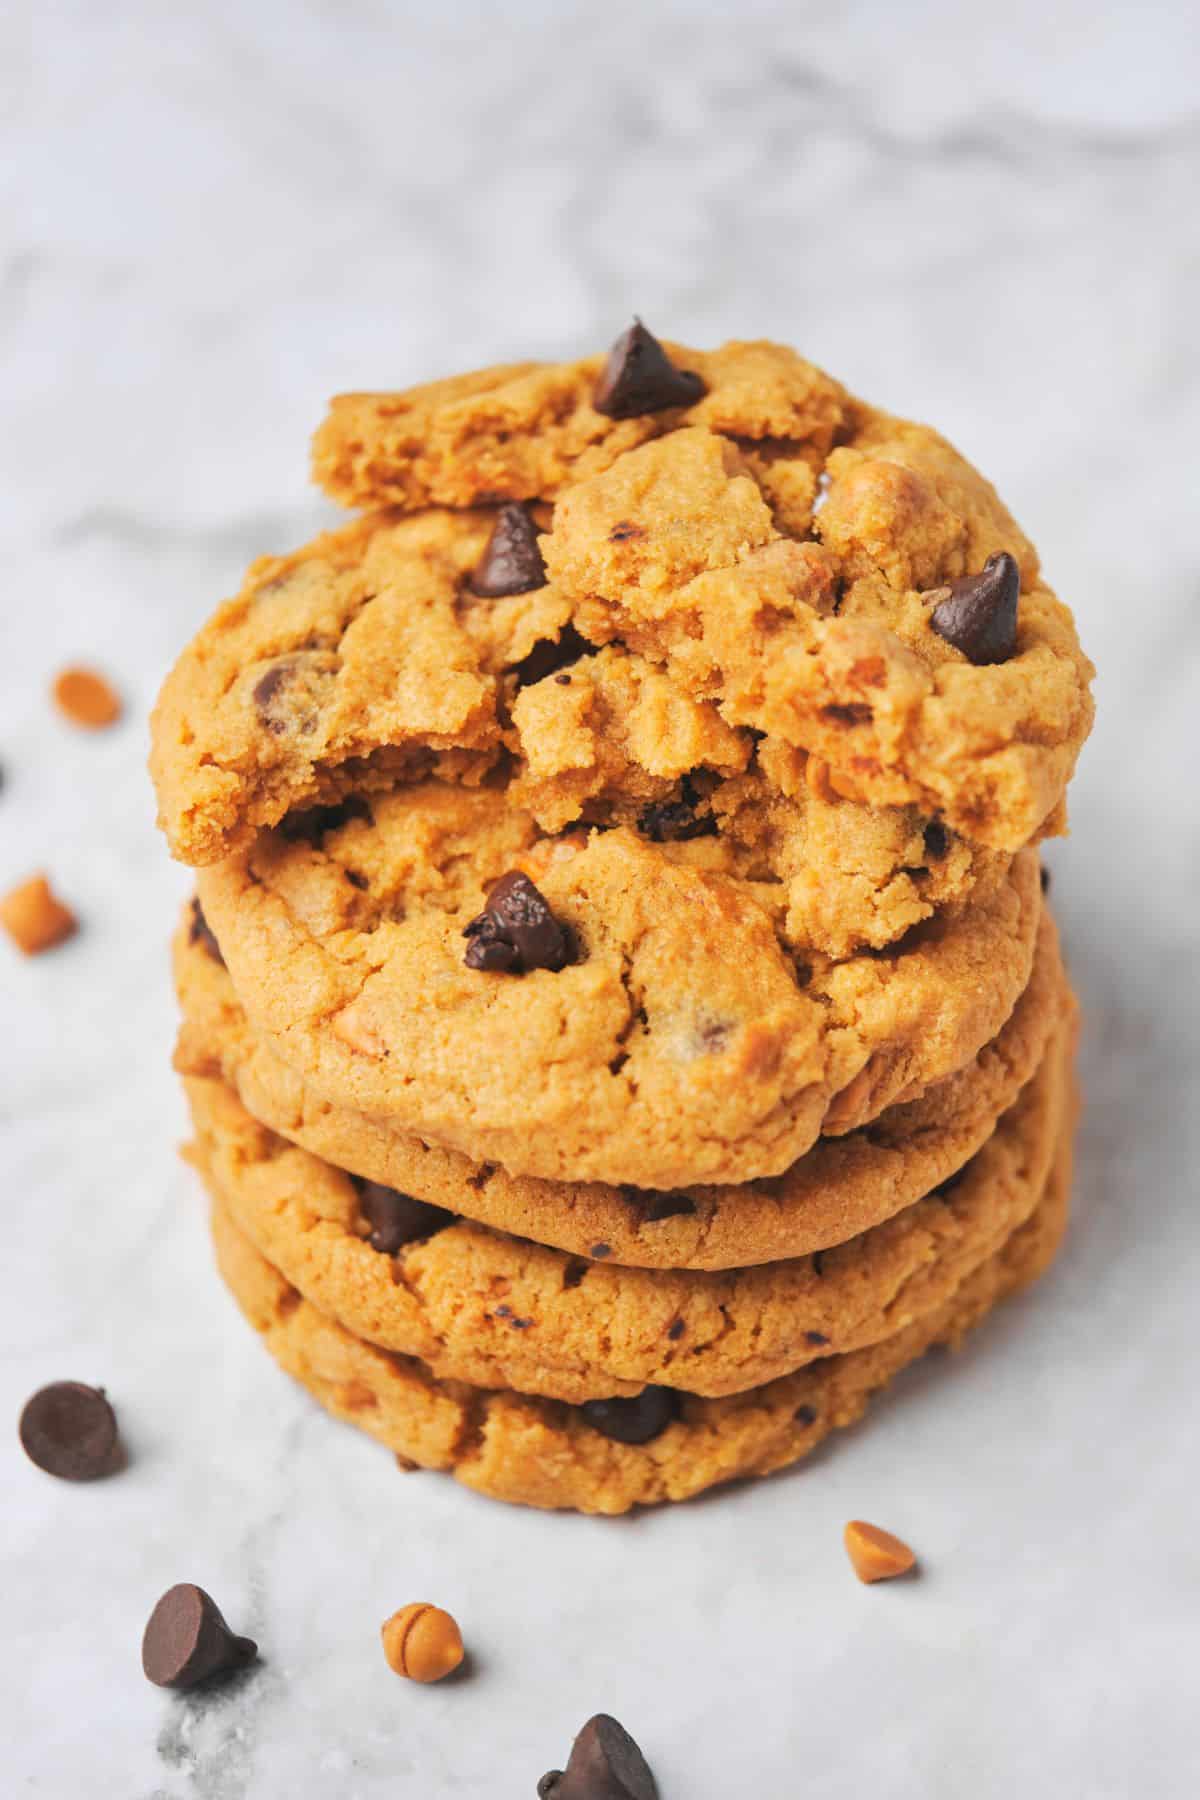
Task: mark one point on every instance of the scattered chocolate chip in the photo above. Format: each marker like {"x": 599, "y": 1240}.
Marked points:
{"x": 675, "y": 1330}
{"x": 397, "y": 1219}
{"x": 1044, "y": 877}
{"x": 267, "y": 690}
{"x": 516, "y": 931}
{"x": 937, "y": 840}
{"x": 186, "y": 1640}
{"x": 805, "y": 1415}
{"x": 574, "y": 1272}
{"x": 201, "y": 932}
{"x": 636, "y": 1420}
{"x": 605, "y": 1764}
{"x": 673, "y": 821}
{"x": 512, "y": 562}
{"x": 815, "y": 1337}
{"x": 598, "y": 1252}
{"x": 639, "y": 377}
{"x": 625, "y": 532}
{"x": 979, "y": 615}
{"x": 70, "y": 1430}
{"x": 520, "y": 1324}
{"x": 852, "y": 712}
{"x": 654, "y": 1207}
{"x": 311, "y": 823}
{"x": 549, "y": 655}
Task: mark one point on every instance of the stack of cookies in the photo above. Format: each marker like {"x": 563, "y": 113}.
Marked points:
{"x": 622, "y": 1022}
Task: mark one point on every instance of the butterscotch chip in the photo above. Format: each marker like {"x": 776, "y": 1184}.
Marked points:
{"x": 875, "y": 1553}
{"x": 422, "y": 1643}
{"x": 86, "y": 698}
{"x": 34, "y": 918}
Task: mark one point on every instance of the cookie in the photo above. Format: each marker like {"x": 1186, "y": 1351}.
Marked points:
{"x": 496, "y": 1311}
{"x": 785, "y": 550}
{"x": 543, "y": 1453}
{"x": 679, "y": 1041}
{"x": 843, "y": 1185}
{"x": 367, "y": 659}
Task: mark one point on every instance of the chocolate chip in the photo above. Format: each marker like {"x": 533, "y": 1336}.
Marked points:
{"x": 574, "y": 1272}
{"x": 639, "y": 377}
{"x": 186, "y": 1640}
{"x": 853, "y": 712}
{"x": 815, "y": 1337}
{"x": 674, "y": 821}
{"x": 516, "y": 931}
{"x": 625, "y": 532}
{"x": 605, "y": 1764}
{"x": 397, "y": 1219}
{"x": 266, "y": 692}
{"x": 311, "y": 823}
{"x": 289, "y": 695}
{"x": 675, "y": 1330}
{"x": 70, "y": 1430}
{"x": 937, "y": 840}
{"x": 805, "y": 1415}
{"x": 636, "y": 1420}
{"x": 549, "y": 655}
{"x": 598, "y": 1252}
{"x": 979, "y": 615}
{"x": 201, "y": 932}
{"x": 512, "y": 562}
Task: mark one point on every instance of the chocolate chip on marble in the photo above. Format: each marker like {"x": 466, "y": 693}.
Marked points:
{"x": 639, "y": 377}
{"x": 201, "y": 932}
{"x": 397, "y": 1219}
{"x": 512, "y": 562}
{"x": 674, "y": 821}
{"x": 516, "y": 931}
{"x": 937, "y": 840}
{"x": 187, "y": 1641}
{"x": 70, "y": 1430}
{"x": 979, "y": 614}
{"x": 605, "y": 1764}
{"x": 635, "y": 1420}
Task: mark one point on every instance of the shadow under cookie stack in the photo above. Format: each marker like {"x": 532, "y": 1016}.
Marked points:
{"x": 622, "y": 1023}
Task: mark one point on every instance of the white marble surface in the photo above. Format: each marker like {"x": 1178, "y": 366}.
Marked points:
{"x": 213, "y": 217}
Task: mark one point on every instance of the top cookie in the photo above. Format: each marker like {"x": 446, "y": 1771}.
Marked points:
{"x": 822, "y": 572}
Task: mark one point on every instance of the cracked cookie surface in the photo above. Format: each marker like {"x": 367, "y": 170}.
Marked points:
{"x": 497, "y": 1311}
{"x": 687, "y": 1040}
{"x": 542, "y": 1453}
{"x": 841, "y": 1187}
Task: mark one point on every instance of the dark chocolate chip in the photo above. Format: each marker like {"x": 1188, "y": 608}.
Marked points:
{"x": 639, "y": 377}
{"x": 187, "y": 1641}
{"x": 979, "y": 615}
{"x": 605, "y": 1764}
{"x": 311, "y": 824}
{"x": 512, "y": 562}
{"x": 852, "y": 712}
{"x": 549, "y": 655}
{"x": 397, "y": 1219}
{"x": 516, "y": 931}
{"x": 598, "y": 1252}
{"x": 574, "y": 1272}
{"x": 674, "y": 821}
{"x": 636, "y": 1420}
{"x": 805, "y": 1415}
{"x": 70, "y": 1430}
{"x": 201, "y": 932}
{"x": 815, "y": 1337}
{"x": 937, "y": 840}
{"x": 266, "y": 692}
{"x": 675, "y": 1330}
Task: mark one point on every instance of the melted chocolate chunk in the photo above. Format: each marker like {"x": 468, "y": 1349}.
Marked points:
{"x": 639, "y": 377}
{"x": 516, "y": 931}
{"x": 979, "y": 615}
{"x": 512, "y": 562}
{"x": 636, "y": 1420}
{"x": 397, "y": 1219}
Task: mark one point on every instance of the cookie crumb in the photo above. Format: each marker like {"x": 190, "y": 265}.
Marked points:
{"x": 34, "y": 918}
{"x": 875, "y": 1553}
{"x": 86, "y": 698}
{"x": 422, "y": 1643}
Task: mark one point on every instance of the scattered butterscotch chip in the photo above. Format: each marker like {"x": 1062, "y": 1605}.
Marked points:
{"x": 86, "y": 698}
{"x": 422, "y": 1643}
{"x": 34, "y": 918}
{"x": 875, "y": 1553}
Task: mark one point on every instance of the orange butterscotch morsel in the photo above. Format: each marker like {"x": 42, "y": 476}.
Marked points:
{"x": 875, "y": 1553}
{"x": 34, "y": 918}
{"x": 86, "y": 698}
{"x": 422, "y": 1643}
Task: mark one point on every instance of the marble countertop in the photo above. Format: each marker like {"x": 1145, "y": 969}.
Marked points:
{"x": 213, "y": 218}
